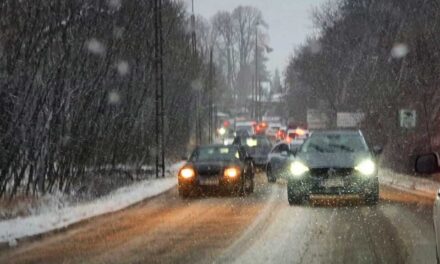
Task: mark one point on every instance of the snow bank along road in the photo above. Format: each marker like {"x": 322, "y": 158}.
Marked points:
{"x": 18, "y": 228}
{"x": 261, "y": 228}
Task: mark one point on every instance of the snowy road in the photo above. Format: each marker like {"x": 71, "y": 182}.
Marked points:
{"x": 261, "y": 228}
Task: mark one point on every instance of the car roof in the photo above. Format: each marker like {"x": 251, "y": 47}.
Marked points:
{"x": 338, "y": 132}
{"x": 217, "y": 146}
{"x": 245, "y": 123}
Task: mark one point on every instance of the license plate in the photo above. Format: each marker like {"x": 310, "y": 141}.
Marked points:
{"x": 209, "y": 182}
{"x": 336, "y": 182}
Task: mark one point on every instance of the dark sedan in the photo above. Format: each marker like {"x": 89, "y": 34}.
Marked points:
{"x": 334, "y": 163}
{"x": 228, "y": 168}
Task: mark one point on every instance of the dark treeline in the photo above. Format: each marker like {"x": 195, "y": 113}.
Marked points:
{"x": 77, "y": 88}
{"x": 374, "y": 57}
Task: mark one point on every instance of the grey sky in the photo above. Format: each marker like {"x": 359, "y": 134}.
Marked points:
{"x": 289, "y": 22}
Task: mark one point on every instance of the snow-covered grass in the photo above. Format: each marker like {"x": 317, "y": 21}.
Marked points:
{"x": 58, "y": 218}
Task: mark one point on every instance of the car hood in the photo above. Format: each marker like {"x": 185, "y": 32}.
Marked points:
{"x": 333, "y": 160}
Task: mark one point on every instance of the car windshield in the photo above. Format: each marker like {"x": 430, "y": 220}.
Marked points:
{"x": 247, "y": 128}
{"x": 334, "y": 143}
{"x": 256, "y": 142}
{"x": 221, "y": 153}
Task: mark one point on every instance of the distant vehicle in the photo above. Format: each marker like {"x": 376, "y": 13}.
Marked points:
{"x": 257, "y": 146}
{"x": 273, "y": 129}
{"x": 261, "y": 128}
{"x": 334, "y": 163}
{"x": 297, "y": 134}
{"x": 279, "y": 159}
{"x": 242, "y": 127}
{"x": 281, "y": 134}
{"x": 226, "y": 135}
{"x": 227, "y": 168}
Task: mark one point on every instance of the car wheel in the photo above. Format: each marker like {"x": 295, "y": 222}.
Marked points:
{"x": 250, "y": 184}
{"x": 239, "y": 189}
{"x": 294, "y": 199}
{"x": 270, "y": 176}
{"x": 372, "y": 198}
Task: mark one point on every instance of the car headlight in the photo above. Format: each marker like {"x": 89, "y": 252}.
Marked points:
{"x": 232, "y": 172}
{"x": 187, "y": 173}
{"x": 298, "y": 169}
{"x": 366, "y": 167}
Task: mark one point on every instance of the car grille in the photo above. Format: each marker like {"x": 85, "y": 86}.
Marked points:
{"x": 331, "y": 172}
{"x": 209, "y": 171}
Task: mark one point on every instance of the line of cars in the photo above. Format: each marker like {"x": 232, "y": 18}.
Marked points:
{"x": 332, "y": 162}
{"x": 229, "y": 166}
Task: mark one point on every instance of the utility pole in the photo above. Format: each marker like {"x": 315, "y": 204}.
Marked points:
{"x": 198, "y": 95}
{"x": 210, "y": 98}
{"x": 159, "y": 89}
{"x": 257, "y": 78}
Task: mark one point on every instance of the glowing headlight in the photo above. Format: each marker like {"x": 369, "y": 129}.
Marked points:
{"x": 298, "y": 169}
{"x": 222, "y": 131}
{"x": 187, "y": 173}
{"x": 232, "y": 172}
{"x": 366, "y": 167}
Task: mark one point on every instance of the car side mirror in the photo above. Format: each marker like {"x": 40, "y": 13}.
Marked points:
{"x": 377, "y": 150}
{"x": 284, "y": 153}
{"x": 427, "y": 164}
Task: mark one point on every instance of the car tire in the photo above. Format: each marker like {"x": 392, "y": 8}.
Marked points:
{"x": 373, "y": 197}
{"x": 251, "y": 186}
{"x": 294, "y": 199}
{"x": 270, "y": 176}
{"x": 239, "y": 189}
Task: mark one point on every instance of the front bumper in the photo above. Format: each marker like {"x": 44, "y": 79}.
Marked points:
{"x": 197, "y": 182}
{"x": 351, "y": 185}
{"x": 260, "y": 161}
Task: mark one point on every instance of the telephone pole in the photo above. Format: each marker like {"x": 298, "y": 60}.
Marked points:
{"x": 198, "y": 95}
{"x": 159, "y": 90}
{"x": 210, "y": 98}
{"x": 257, "y": 78}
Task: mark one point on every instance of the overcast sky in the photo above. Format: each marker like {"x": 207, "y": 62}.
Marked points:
{"x": 289, "y": 22}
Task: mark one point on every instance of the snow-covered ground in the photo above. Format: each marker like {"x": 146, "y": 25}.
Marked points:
{"x": 13, "y": 229}
{"x": 409, "y": 183}
{"x": 58, "y": 218}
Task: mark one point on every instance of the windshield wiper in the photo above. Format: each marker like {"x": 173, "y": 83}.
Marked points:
{"x": 342, "y": 147}
{"x": 316, "y": 147}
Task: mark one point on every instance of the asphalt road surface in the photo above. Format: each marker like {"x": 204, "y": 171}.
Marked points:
{"x": 261, "y": 228}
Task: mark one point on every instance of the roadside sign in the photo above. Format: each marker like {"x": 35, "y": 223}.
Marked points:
{"x": 349, "y": 120}
{"x": 407, "y": 118}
